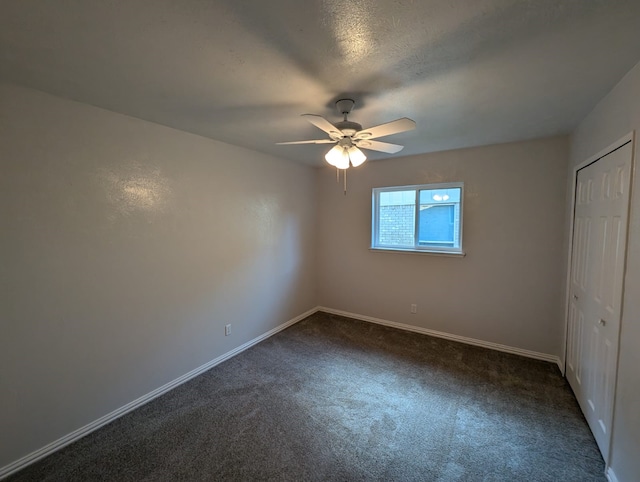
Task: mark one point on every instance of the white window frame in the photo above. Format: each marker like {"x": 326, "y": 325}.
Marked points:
{"x": 375, "y": 219}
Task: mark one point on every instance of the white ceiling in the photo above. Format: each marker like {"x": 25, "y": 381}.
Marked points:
{"x": 469, "y": 72}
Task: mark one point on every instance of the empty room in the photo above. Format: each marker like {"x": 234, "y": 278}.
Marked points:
{"x": 320, "y": 240}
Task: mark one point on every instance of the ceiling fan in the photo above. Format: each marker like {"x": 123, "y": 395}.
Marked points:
{"x": 350, "y": 137}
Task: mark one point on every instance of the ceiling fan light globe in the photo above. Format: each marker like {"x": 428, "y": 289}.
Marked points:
{"x": 335, "y": 157}
{"x": 356, "y": 156}
{"x": 343, "y": 163}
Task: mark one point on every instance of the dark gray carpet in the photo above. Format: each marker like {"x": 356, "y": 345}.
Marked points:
{"x": 337, "y": 399}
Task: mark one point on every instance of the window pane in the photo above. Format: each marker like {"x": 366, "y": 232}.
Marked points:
{"x": 439, "y": 218}
{"x": 397, "y": 218}
{"x": 436, "y": 196}
{"x": 436, "y": 226}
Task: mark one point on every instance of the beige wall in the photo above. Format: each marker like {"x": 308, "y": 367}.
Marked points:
{"x": 506, "y": 290}
{"x": 616, "y": 115}
{"x": 125, "y": 249}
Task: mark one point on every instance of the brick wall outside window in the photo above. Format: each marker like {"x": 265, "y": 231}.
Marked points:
{"x": 397, "y": 225}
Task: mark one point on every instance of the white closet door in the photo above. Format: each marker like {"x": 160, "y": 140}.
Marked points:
{"x": 597, "y": 271}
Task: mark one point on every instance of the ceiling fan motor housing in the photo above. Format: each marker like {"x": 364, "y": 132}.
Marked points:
{"x": 348, "y": 128}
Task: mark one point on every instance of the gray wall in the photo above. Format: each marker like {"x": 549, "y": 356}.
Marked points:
{"x": 506, "y": 290}
{"x": 616, "y": 115}
{"x": 126, "y": 247}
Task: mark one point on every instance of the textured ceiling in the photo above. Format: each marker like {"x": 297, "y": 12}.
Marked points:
{"x": 469, "y": 72}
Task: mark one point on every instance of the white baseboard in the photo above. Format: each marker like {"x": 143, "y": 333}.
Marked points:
{"x": 96, "y": 424}
{"x": 448, "y": 336}
{"x": 611, "y": 475}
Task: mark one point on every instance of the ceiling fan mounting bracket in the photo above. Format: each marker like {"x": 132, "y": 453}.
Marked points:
{"x": 345, "y": 106}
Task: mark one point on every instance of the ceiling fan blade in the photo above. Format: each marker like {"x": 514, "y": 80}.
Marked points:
{"x": 323, "y": 124}
{"x": 393, "y": 127}
{"x": 316, "y": 141}
{"x": 378, "y": 146}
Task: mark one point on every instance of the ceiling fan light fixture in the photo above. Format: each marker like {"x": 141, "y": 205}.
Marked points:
{"x": 356, "y": 156}
{"x": 338, "y": 157}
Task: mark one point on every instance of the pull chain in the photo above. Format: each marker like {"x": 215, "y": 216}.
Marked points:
{"x": 345, "y": 178}
{"x": 345, "y": 182}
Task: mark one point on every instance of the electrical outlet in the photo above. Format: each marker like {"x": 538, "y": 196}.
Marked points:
{"x": 227, "y": 330}
{"x": 414, "y": 309}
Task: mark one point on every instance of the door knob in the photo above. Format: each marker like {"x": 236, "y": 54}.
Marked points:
{"x": 602, "y": 322}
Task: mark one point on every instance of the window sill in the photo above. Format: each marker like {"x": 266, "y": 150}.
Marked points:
{"x": 452, "y": 254}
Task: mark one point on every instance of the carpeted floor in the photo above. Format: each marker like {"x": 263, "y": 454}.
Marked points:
{"x": 337, "y": 399}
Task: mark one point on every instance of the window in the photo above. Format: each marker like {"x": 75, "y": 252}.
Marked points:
{"x": 426, "y": 218}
